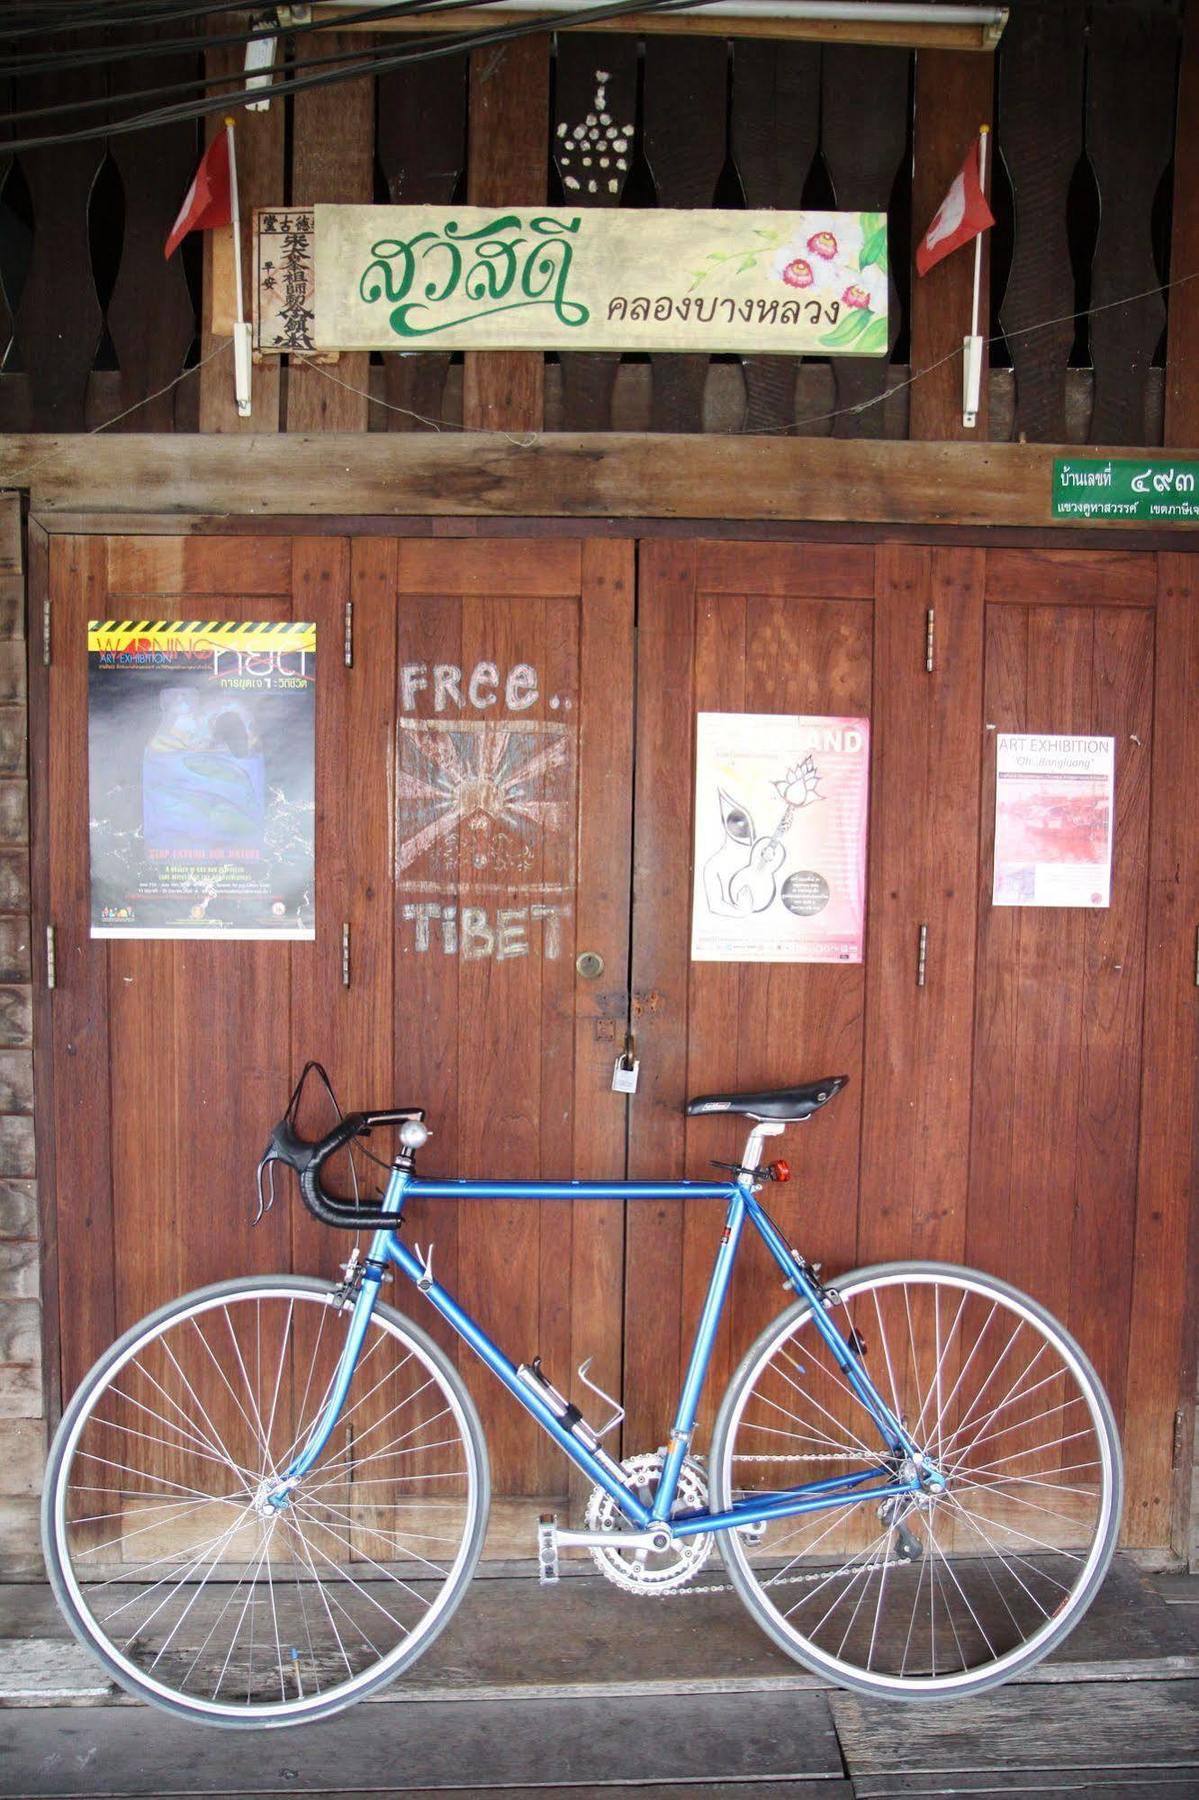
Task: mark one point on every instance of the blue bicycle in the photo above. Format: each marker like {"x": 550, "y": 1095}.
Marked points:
{"x": 268, "y": 1497}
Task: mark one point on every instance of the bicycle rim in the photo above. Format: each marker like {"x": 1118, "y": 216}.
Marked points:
{"x": 195, "y": 1592}
{"x": 945, "y": 1592}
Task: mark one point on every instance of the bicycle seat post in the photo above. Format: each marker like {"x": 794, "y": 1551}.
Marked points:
{"x": 762, "y": 1129}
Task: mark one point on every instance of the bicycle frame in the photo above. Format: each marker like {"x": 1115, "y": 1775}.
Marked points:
{"x": 867, "y": 1484}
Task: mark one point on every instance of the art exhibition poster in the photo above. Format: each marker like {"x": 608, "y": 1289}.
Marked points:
{"x": 1055, "y": 798}
{"x": 201, "y": 768}
{"x": 780, "y": 838}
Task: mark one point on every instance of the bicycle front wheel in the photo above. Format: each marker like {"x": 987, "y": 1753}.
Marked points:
{"x": 934, "y": 1593}
{"x": 168, "y": 1559}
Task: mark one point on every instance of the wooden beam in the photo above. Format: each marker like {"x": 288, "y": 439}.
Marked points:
{"x": 605, "y": 475}
{"x": 507, "y": 165}
{"x": 932, "y": 35}
{"x": 954, "y": 96}
{"x": 1182, "y": 365}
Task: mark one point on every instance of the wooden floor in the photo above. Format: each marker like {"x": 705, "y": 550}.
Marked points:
{"x": 581, "y": 1693}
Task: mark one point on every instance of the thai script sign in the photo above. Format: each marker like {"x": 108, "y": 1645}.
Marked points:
{"x": 1125, "y": 488}
{"x": 542, "y": 278}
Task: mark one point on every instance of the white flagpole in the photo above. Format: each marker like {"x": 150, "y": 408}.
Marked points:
{"x": 242, "y": 347}
{"x": 972, "y": 363}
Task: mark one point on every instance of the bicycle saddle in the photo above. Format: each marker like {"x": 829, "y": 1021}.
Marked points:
{"x": 792, "y": 1104}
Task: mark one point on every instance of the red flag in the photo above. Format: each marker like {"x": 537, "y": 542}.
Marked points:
{"x": 961, "y": 216}
{"x": 209, "y": 201}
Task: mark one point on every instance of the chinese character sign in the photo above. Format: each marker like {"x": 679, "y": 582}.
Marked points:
{"x": 200, "y": 750}
{"x": 780, "y": 838}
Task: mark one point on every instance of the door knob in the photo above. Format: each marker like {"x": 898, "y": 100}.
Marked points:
{"x": 589, "y": 964}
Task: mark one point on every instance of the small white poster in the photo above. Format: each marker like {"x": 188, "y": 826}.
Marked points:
{"x": 1054, "y": 801}
{"x": 780, "y": 838}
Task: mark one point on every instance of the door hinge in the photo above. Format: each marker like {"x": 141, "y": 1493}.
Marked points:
{"x": 1180, "y": 1420}
{"x": 348, "y": 645}
{"x": 1197, "y": 956}
{"x": 345, "y": 953}
{"x": 930, "y": 640}
{"x": 46, "y": 632}
{"x": 921, "y": 955}
{"x": 51, "y": 972}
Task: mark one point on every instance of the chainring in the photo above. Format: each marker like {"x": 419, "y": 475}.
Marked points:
{"x": 650, "y": 1571}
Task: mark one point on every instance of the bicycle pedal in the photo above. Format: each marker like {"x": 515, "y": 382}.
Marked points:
{"x": 547, "y": 1549}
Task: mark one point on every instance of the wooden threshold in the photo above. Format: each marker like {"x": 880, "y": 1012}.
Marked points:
{"x": 573, "y": 476}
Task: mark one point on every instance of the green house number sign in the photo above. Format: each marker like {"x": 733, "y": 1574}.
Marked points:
{"x": 1127, "y": 488}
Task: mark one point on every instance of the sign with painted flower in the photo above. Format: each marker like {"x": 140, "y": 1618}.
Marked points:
{"x": 550, "y": 278}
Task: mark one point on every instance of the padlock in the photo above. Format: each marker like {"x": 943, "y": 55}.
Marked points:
{"x": 624, "y": 1075}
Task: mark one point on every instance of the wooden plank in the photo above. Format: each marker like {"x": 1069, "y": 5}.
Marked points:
{"x": 684, "y": 140}
{"x": 661, "y": 972}
{"x": 923, "y": 860}
{"x": 421, "y": 145}
{"x": 22, "y": 966}
{"x": 333, "y": 158}
{"x": 1160, "y": 1362}
{"x": 540, "y": 569}
{"x": 775, "y": 123}
{"x": 150, "y": 314}
{"x": 58, "y": 318}
{"x": 955, "y": 94}
{"x": 1131, "y": 62}
{"x": 1138, "y": 1729}
{"x": 601, "y": 1007}
{"x": 79, "y": 1045}
{"x": 1112, "y": 991}
{"x": 688, "y": 1739}
{"x": 148, "y": 568}
{"x": 1074, "y": 577}
{"x": 348, "y": 1028}
{"x": 260, "y": 179}
{"x": 1182, "y": 367}
{"x": 558, "y": 476}
{"x": 796, "y": 570}
{"x": 1040, "y": 136}
{"x": 863, "y": 135}
{"x": 507, "y": 166}
{"x": 592, "y": 117}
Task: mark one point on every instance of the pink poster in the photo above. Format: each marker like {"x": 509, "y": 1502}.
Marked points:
{"x": 1054, "y": 799}
{"x": 780, "y": 838}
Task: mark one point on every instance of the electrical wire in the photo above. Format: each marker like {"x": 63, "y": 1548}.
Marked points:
{"x": 119, "y": 98}
{"x": 373, "y": 64}
{"x": 108, "y": 55}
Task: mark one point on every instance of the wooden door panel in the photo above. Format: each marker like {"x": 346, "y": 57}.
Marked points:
{"x": 502, "y": 729}
{"x": 711, "y": 644}
{"x": 1060, "y": 993}
{"x": 923, "y": 859}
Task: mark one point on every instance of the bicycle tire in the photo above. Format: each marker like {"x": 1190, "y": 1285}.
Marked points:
{"x": 141, "y": 1445}
{"x": 1008, "y": 1559}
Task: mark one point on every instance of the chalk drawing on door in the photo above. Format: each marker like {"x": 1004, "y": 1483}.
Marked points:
{"x": 485, "y": 806}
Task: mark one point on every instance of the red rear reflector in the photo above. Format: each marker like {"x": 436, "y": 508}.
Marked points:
{"x": 781, "y": 1170}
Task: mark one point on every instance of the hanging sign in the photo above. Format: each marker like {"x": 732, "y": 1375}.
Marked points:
{"x": 200, "y": 752}
{"x": 543, "y": 278}
{"x": 780, "y": 838}
{"x": 1054, "y": 800}
{"x": 1126, "y": 488}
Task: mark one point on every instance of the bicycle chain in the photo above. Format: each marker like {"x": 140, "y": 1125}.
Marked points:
{"x": 726, "y": 1587}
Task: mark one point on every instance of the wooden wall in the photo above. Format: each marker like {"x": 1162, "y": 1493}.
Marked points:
{"x": 1082, "y": 94}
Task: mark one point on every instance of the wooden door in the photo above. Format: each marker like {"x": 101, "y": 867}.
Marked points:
{"x": 1020, "y": 1101}
{"x": 474, "y": 782}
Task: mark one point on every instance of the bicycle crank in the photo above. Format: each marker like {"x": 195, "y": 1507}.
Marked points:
{"x": 625, "y": 1557}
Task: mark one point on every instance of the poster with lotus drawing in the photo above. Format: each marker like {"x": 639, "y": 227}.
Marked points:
{"x": 553, "y": 278}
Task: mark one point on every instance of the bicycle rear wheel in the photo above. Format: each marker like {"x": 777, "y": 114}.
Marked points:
{"x": 171, "y": 1565}
{"x": 941, "y": 1593}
